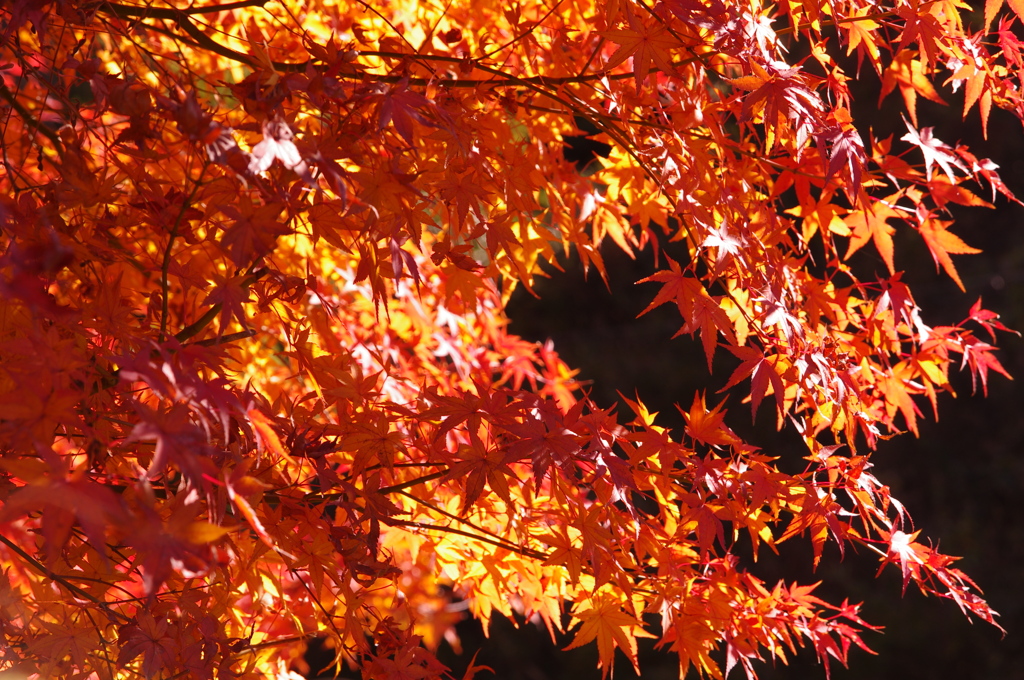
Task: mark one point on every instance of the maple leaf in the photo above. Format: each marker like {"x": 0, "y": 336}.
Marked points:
{"x": 699, "y": 310}
{"x": 904, "y": 550}
{"x": 1008, "y": 42}
{"x": 266, "y": 434}
{"x": 401, "y": 107}
{"x": 862, "y": 32}
{"x": 239, "y": 487}
{"x": 692, "y": 636}
{"x": 466, "y": 284}
{"x": 943, "y": 243}
{"x": 988, "y": 319}
{"x": 480, "y": 467}
{"x": 784, "y": 98}
{"x": 708, "y": 426}
{"x": 254, "y": 232}
{"x": 644, "y": 42}
{"x": 980, "y": 358}
{"x": 150, "y": 638}
{"x": 372, "y": 442}
{"x": 605, "y": 621}
{"x": 711, "y": 15}
{"x": 942, "y": 192}
{"x": 935, "y": 151}
{"x": 545, "y": 440}
{"x": 987, "y": 169}
{"x": 466, "y": 194}
{"x": 992, "y": 8}
{"x": 872, "y": 222}
{"x": 181, "y": 544}
{"x": 762, "y": 373}
{"x": 178, "y": 441}
{"x": 909, "y": 73}
{"x": 26, "y": 11}
{"x": 845, "y": 150}
{"x": 94, "y": 506}
{"x": 472, "y": 669}
{"x": 727, "y": 245}
{"x": 231, "y": 293}
{"x": 56, "y": 643}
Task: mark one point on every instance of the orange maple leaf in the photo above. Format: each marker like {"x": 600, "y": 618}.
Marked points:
{"x": 698, "y": 309}
{"x": 942, "y": 243}
{"x": 908, "y": 73}
{"x": 708, "y": 426}
{"x": 611, "y": 627}
{"x": 872, "y": 222}
{"x": 645, "y": 43}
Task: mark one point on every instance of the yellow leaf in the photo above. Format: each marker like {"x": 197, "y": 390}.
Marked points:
{"x": 203, "y": 532}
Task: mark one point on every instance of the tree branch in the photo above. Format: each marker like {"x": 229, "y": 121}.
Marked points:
{"x": 62, "y": 580}
{"x": 127, "y": 11}
{"x": 525, "y": 552}
{"x": 166, "y": 264}
{"x": 29, "y": 119}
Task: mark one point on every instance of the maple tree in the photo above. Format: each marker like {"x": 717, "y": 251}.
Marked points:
{"x": 255, "y": 376}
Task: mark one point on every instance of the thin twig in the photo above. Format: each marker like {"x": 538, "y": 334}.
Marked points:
{"x": 525, "y": 552}
{"x": 165, "y": 266}
{"x": 463, "y": 520}
{"x": 522, "y": 35}
{"x": 412, "y": 482}
{"x": 57, "y": 578}
{"x": 223, "y": 340}
{"x": 834, "y": 23}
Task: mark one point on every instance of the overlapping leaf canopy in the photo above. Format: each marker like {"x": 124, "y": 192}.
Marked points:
{"x": 255, "y": 379}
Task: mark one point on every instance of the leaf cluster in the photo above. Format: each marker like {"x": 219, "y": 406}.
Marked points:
{"x": 255, "y": 376}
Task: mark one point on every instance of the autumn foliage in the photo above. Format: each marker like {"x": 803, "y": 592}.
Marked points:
{"x": 255, "y": 379}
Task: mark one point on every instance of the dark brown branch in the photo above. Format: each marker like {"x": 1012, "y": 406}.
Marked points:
{"x": 230, "y": 337}
{"x": 165, "y": 288}
{"x": 412, "y": 482}
{"x": 127, "y": 11}
{"x": 29, "y": 119}
{"x": 194, "y": 328}
{"x": 203, "y": 41}
{"x": 62, "y": 580}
